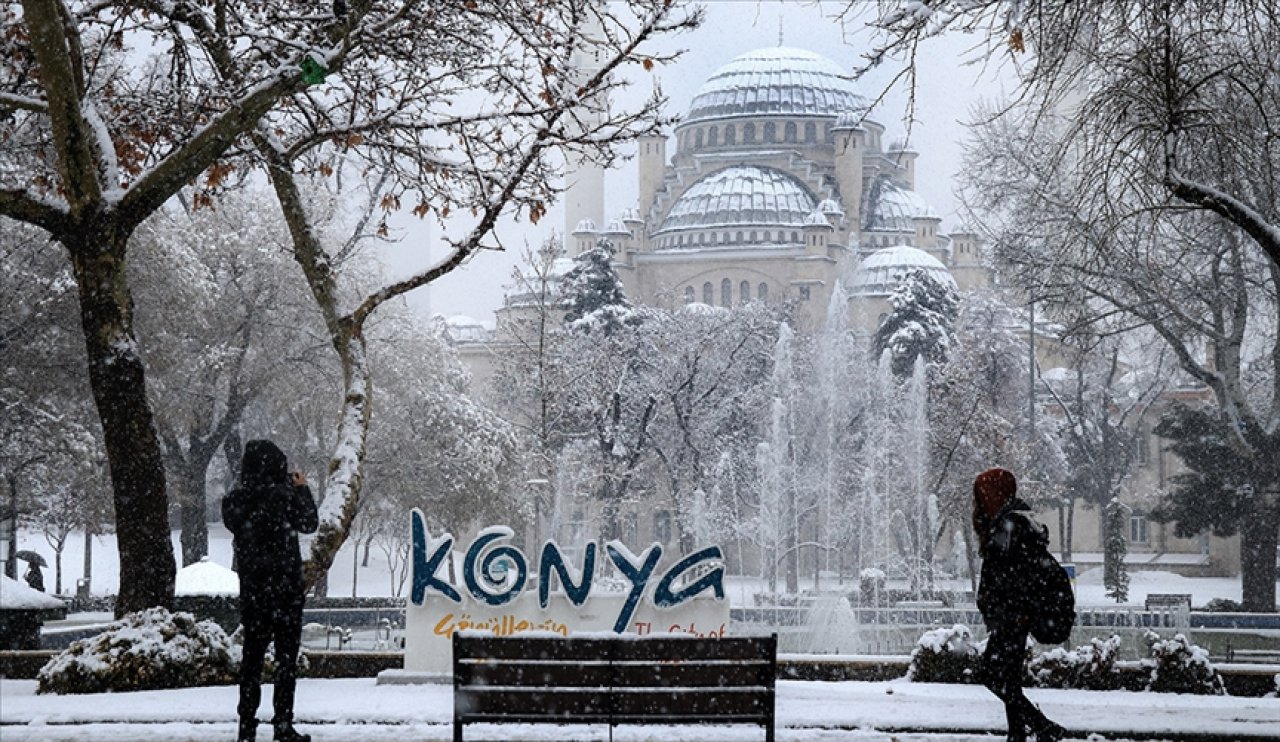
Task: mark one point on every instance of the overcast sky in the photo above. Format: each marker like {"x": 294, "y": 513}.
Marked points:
{"x": 947, "y": 90}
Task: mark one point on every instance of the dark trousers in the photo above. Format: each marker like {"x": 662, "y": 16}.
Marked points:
{"x": 263, "y": 625}
{"x": 1003, "y": 667}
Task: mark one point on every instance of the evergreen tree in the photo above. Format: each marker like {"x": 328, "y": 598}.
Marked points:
{"x": 594, "y": 295}
{"x": 1222, "y": 490}
{"x": 921, "y": 323}
{"x": 1115, "y": 576}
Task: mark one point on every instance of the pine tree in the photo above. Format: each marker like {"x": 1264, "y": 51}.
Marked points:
{"x": 922, "y": 323}
{"x": 594, "y": 295}
{"x": 1115, "y": 576}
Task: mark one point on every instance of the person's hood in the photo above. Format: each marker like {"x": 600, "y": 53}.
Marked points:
{"x": 263, "y": 463}
{"x": 993, "y": 489}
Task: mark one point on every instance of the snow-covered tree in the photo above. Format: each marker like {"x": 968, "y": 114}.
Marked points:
{"x": 1115, "y": 574}
{"x": 97, "y": 135}
{"x": 920, "y": 325}
{"x": 594, "y": 298}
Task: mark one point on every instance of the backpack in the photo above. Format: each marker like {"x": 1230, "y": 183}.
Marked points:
{"x": 1055, "y": 602}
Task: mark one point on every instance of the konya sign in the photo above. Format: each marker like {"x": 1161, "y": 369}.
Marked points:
{"x": 488, "y": 592}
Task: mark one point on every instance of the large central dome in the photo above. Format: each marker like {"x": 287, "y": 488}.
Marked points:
{"x": 777, "y": 80}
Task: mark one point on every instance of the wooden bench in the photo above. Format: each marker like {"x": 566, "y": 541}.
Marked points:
{"x": 1157, "y": 601}
{"x": 613, "y": 680}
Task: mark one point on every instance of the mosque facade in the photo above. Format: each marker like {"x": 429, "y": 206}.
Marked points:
{"x": 780, "y": 186}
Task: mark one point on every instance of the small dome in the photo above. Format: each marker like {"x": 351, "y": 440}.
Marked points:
{"x": 463, "y": 329}
{"x": 884, "y": 269}
{"x": 892, "y": 207}
{"x": 817, "y": 219}
{"x": 631, "y": 215}
{"x": 829, "y": 206}
{"x": 615, "y": 228}
{"x": 741, "y": 196}
{"x": 776, "y": 80}
{"x": 899, "y": 145}
{"x": 849, "y": 120}
{"x": 586, "y": 226}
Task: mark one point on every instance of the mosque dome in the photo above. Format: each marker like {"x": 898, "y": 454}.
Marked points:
{"x": 776, "y": 81}
{"x": 893, "y": 207}
{"x": 882, "y": 270}
{"x": 741, "y": 196}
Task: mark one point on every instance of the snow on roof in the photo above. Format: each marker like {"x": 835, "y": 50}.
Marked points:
{"x": 777, "y": 80}
{"x": 882, "y": 270}
{"x": 893, "y": 207}
{"x": 15, "y": 596}
{"x": 741, "y": 196}
{"x": 206, "y": 578}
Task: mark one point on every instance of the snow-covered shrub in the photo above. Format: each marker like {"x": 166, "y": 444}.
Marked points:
{"x": 1088, "y": 667}
{"x": 871, "y": 584}
{"x": 1178, "y": 666}
{"x": 147, "y": 650}
{"x": 946, "y": 656}
{"x": 1222, "y": 605}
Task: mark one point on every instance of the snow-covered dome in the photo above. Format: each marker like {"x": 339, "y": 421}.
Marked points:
{"x": 464, "y": 329}
{"x": 776, "y": 80}
{"x": 882, "y": 270}
{"x": 585, "y": 226}
{"x": 616, "y": 228}
{"x": 631, "y": 214}
{"x": 829, "y": 206}
{"x": 816, "y": 219}
{"x": 893, "y": 207}
{"x": 741, "y": 196}
{"x": 848, "y": 120}
{"x": 206, "y": 578}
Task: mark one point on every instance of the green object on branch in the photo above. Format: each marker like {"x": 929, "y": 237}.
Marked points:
{"x": 313, "y": 71}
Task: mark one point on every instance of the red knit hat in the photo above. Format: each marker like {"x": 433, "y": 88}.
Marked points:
{"x": 993, "y": 488}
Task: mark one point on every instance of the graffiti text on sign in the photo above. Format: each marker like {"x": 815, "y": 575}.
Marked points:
{"x": 500, "y": 625}
{"x": 495, "y": 574}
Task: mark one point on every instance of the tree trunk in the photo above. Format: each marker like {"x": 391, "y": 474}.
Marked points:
{"x": 88, "y": 557}
{"x": 1258, "y": 559}
{"x": 192, "y": 506}
{"x": 342, "y": 490}
{"x": 118, "y": 381}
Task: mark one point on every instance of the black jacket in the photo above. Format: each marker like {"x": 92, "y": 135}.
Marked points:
{"x": 1005, "y": 592}
{"x": 265, "y": 513}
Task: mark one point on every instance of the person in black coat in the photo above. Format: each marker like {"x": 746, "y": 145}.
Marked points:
{"x": 34, "y": 576}
{"x": 1007, "y": 539}
{"x": 264, "y": 514}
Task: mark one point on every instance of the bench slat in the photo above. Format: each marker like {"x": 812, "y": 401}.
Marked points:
{"x": 573, "y": 648}
{"x": 684, "y": 673}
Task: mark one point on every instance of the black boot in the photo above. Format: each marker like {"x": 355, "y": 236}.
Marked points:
{"x": 287, "y": 733}
{"x": 248, "y": 731}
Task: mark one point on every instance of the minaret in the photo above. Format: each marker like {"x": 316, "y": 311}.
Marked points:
{"x": 584, "y": 178}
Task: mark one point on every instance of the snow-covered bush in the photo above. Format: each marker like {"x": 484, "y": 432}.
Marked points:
{"x": 946, "y": 656}
{"x": 147, "y": 650}
{"x": 1088, "y": 667}
{"x": 1222, "y": 605}
{"x": 1178, "y": 666}
{"x": 871, "y": 585}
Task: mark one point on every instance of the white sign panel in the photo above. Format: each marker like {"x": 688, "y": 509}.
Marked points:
{"x": 489, "y": 593}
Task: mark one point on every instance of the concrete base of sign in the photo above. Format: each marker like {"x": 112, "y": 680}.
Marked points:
{"x": 413, "y": 677}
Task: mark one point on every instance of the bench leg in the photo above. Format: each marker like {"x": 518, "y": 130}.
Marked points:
{"x": 457, "y": 730}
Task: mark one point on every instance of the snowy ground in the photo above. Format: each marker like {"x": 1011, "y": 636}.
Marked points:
{"x": 359, "y": 711}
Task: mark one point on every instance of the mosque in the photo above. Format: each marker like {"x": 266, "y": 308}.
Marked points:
{"x": 780, "y": 186}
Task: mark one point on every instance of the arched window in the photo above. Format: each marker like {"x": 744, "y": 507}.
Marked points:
{"x": 726, "y": 293}
{"x": 770, "y": 131}
{"x": 730, "y": 135}
{"x": 753, "y": 237}
{"x": 697, "y": 139}
{"x": 810, "y": 131}
{"x": 789, "y": 132}
{"x": 739, "y": 240}
{"x": 795, "y": 236}
{"x": 749, "y": 133}
{"x": 767, "y": 235}
{"x": 744, "y": 292}
{"x": 762, "y": 291}
{"x": 713, "y": 136}
{"x": 708, "y": 293}
{"x": 702, "y": 238}
{"x": 828, "y": 135}
{"x": 689, "y": 296}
